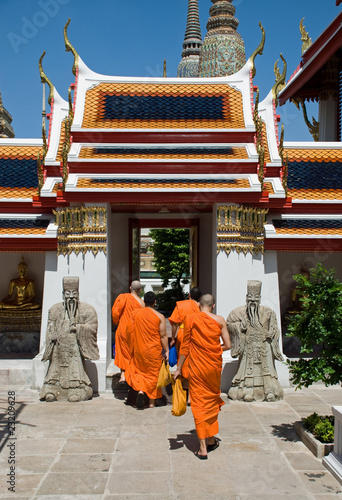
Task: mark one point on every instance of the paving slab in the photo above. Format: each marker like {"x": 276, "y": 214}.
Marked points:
{"x": 104, "y": 449}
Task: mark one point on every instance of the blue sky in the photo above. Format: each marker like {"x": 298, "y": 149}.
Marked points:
{"x": 132, "y": 38}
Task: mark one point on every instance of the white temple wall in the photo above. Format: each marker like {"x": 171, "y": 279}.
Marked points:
{"x": 290, "y": 263}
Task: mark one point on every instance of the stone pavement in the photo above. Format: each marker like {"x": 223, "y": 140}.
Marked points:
{"x": 105, "y": 450}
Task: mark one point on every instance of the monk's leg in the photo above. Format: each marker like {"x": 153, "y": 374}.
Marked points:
{"x": 152, "y": 403}
{"x": 202, "y": 448}
{"x": 122, "y": 377}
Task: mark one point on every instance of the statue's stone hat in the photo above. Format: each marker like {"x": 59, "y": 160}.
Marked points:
{"x": 70, "y": 282}
{"x": 254, "y": 286}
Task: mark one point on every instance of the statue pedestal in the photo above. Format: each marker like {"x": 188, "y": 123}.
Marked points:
{"x": 20, "y": 331}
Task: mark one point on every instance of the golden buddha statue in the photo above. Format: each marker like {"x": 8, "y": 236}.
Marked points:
{"x": 20, "y": 291}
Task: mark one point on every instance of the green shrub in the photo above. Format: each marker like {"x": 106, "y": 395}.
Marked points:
{"x": 322, "y": 427}
{"x": 318, "y": 323}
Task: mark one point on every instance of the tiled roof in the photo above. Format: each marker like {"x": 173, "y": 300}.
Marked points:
{"x": 315, "y": 179}
{"x": 23, "y": 226}
{"x": 268, "y": 187}
{"x": 308, "y": 226}
{"x": 162, "y": 184}
{"x": 314, "y": 155}
{"x": 61, "y": 142}
{"x": 127, "y": 105}
{"x": 164, "y": 153}
{"x": 18, "y": 171}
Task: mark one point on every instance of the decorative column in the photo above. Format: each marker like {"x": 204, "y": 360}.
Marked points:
{"x": 223, "y": 49}
{"x": 82, "y": 251}
{"x": 188, "y": 67}
{"x": 241, "y": 257}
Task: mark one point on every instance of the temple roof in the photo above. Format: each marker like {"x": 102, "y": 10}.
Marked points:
{"x": 306, "y": 81}
{"x": 18, "y": 168}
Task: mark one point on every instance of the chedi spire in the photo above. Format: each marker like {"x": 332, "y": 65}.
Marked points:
{"x": 6, "y": 130}
{"x": 188, "y": 67}
{"x": 223, "y": 50}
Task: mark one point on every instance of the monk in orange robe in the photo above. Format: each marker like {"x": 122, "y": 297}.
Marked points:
{"x": 201, "y": 344}
{"x": 150, "y": 338}
{"x": 181, "y": 311}
{"x": 124, "y": 306}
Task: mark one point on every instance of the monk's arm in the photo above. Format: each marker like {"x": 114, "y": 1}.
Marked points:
{"x": 163, "y": 337}
{"x": 184, "y": 350}
{"x": 225, "y": 337}
{"x": 174, "y": 331}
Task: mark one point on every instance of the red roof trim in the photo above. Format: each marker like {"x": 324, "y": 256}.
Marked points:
{"x": 314, "y": 58}
{"x": 303, "y": 244}
{"x": 27, "y": 244}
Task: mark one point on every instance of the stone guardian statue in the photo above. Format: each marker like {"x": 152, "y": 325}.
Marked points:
{"x": 71, "y": 338}
{"x": 254, "y": 333}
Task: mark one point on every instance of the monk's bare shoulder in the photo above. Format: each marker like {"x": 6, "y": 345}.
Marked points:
{"x": 161, "y": 316}
{"x": 219, "y": 319}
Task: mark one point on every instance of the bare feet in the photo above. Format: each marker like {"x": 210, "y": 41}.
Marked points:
{"x": 152, "y": 403}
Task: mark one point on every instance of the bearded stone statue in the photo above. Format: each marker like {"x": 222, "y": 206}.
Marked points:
{"x": 254, "y": 333}
{"x": 71, "y": 338}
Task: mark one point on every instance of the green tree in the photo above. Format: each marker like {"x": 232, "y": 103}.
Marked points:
{"x": 318, "y": 323}
{"x": 171, "y": 250}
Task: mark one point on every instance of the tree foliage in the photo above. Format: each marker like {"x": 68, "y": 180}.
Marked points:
{"x": 171, "y": 250}
{"x": 318, "y": 323}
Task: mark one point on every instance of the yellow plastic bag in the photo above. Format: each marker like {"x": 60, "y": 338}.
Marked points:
{"x": 164, "y": 377}
{"x": 178, "y": 398}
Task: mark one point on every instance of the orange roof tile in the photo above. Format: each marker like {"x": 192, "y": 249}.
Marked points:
{"x": 320, "y": 155}
{"x": 315, "y": 194}
{"x": 95, "y": 106}
{"x": 91, "y": 184}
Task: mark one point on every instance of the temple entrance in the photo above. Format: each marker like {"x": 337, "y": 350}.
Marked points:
{"x": 142, "y": 267}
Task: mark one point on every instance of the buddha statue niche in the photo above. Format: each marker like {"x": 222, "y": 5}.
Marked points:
{"x": 20, "y": 291}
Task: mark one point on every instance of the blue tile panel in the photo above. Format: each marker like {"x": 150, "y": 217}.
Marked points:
{"x": 152, "y": 180}
{"x": 126, "y": 107}
{"x": 315, "y": 175}
{"x": 164, "y": 151}
{"x": 24, "y": 223}
{"x": 307, "y": 223}
{"x": 18, "y": 173}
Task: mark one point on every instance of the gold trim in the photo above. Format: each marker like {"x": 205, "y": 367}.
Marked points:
{"x": 241, "y": 229}
{"x": 314, "y": 126}
{"x": 70, "y": 48}
{"x": 284, "y": 161}
{"x": 280, "y": 79}
{"x": 81, "y": 230}
{"x": 259, "y": 50}
{"x": 45, "y": 79}
{"x": 307, "y": 42}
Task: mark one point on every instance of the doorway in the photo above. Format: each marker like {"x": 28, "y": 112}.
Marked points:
{"x": 139, "y": 240}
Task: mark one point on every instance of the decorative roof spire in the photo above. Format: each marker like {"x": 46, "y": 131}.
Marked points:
{"x": 188, "y": 67}
{"x": 6, "y": 129}
{"x": 223, "y": 50}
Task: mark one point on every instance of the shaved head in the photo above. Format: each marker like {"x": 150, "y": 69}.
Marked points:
{"x": 207, "y": 300}
{"x": 136, "y": 285}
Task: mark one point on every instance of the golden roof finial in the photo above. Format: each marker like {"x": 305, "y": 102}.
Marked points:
{"x": 70, "y": 48}
{"x": 259, "y": 50}
{"x": 44, "y": 79}
{"x": 305, "y": 37}
{"x": 164, "y": 72}
{"x": 280, "y": 79}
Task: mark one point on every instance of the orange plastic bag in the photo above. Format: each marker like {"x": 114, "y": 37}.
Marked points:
{"x": 178, "y": 398}
{"x": 164, "y": 377}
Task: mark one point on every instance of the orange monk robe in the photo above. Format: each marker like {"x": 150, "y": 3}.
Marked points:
{"x": 181, "y": 311}
{"x": 143, "y": 370}
{"x": 201, "y": 344}
{"x": 122, "y": 310}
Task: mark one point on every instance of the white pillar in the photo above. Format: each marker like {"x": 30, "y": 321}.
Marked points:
{"x": 328, "y": 119}
{"x": 232, "y": 272}
{"x": 94, "y": 289}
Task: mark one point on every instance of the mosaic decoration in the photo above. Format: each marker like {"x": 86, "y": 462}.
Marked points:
{"x": 112, "y": 105}
{"x": 81, "y": 229}
{"x": 188, "y": 67}
{"x": 223, "y": 49}
{"x": 241, "y": 229}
